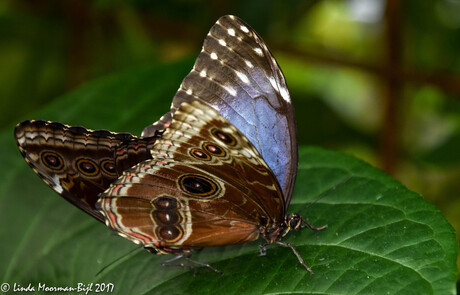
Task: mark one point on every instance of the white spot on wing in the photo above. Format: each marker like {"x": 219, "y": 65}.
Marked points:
{"x": 213, "y": 55}
{"x": 280, "y": 89}
{"x": 258, "y": 51}
{"x": 203, "y": 73}
{"x": 273, "y": 82}
{"x": 189, "y": 91}
{"x": 231, "y": 32}
{"x": 264, "y": 46}
{"x": 244, "y": 29}
{"x": 222, "y": 42}
{"x": 249, "y": 64}
{"x": 243, "y": 77}
{"x": 56, "y": 186}
{"x": 285, "y": 94}
{"x": 21, "y": 140}
{"x": 230, "y": 90}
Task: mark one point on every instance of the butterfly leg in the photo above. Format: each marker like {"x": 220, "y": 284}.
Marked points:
{"x": 169, "y": 262}
{"x": 204, "y": 265}
{"x": 296, "y": 254}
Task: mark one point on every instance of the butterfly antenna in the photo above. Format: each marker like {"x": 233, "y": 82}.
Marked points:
{"x": 118, "y": 259}
{"x": 326, "y": 193}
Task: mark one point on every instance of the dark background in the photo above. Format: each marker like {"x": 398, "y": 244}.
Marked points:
{"x": 376, "y": 79}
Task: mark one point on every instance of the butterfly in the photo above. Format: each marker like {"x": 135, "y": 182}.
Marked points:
{"x": 218, "y": 169}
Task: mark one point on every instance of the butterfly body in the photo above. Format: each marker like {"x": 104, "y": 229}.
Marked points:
{"x": 218, "y": 169}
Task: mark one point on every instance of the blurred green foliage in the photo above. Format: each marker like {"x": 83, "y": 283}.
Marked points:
{"x": 49, "y": 47}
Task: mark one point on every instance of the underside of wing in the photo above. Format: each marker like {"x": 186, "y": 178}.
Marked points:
{"x": 237, "y": 75}
{"x": 76, "y": 162}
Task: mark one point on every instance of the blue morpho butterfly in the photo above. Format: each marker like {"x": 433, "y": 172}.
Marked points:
{"x": 218, "y": 169}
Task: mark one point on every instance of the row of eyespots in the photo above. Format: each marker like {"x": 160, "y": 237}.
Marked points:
{"x": 85, "y": 166}
{"x": 206, "y": 151}
{"x": 168, "y": 218}
{"x": 209, "y": 149}
{"x": 199, "y": 185}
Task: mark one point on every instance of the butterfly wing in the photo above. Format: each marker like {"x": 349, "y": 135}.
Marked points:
{"x": 237, "y": 75}
{"x": 206, "y": 186}
{"x": 76, "y": 162}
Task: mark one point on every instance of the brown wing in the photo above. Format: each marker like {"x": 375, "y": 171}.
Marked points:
{"x": 76, "y": 162}
{"x": 206, "y": 186}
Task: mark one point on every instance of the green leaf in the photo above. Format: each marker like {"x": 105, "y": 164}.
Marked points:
{"x": 381, "y": 237}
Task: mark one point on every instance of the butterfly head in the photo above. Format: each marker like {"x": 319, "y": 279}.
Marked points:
{"x": 293, "y": 221}
{"x": 276, "y": 232}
